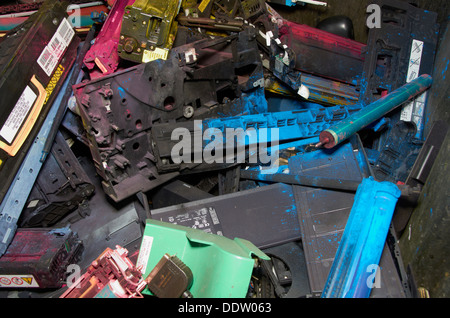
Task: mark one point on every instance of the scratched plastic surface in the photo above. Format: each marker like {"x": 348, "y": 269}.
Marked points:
{"x": 323, "y": 213}
{"x": 233, "y": 215}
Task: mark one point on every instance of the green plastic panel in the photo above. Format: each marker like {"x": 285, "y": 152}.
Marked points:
{"x": 221, "y": 267}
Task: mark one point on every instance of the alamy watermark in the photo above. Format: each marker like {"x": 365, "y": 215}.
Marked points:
{"x": 374, "y": 279}
{"x": 374, "y": 18}
{"x": 231, "y": 145}
{"x": 73, "y": 274}
{"x": 74, "y": 13}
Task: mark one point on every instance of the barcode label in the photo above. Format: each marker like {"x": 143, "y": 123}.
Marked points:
{"x": 51, "y": 54}
{"x": 47, "y": 61}
{"x": 144, "y": 253}
{"x": 66, "y": 31}
{"x": 18, "y": 115}
{"x": 415, "y": 58}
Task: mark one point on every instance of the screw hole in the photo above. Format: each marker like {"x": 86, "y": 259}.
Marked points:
{"x": 169, "y": 103}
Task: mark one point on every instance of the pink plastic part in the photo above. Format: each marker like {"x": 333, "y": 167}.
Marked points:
{"x": 103, "y": 58}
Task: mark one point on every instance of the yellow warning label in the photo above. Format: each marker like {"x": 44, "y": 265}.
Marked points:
{"x": 53, "y": 81}
{"x": 21, "y": 280}
{"x": 202, "y": 6}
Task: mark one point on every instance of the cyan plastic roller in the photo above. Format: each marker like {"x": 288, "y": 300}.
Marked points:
{"x": 352, "y": 272}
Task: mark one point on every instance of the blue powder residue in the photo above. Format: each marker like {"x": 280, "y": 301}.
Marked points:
{"x": 445, "y": 69}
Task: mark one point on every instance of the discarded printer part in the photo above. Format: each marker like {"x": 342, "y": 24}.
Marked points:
{"x": 197, "y": 8}
{"x": 211, "y": 24}
{"x": 281, "y": 173}
{"x": 402, "y": 46}
{"x": 312, "y": 46}
{"x": 278, "y": 59}
{"x": 346, "y": 167}
{"x": 287, "y": 270}
{"x": 148, "y": 30}
{"x": 207, "y": 12}
{"x": 235, "y": 16}
{"x": 15, "y": 198}
{"x": 73, "y": 124}
{"x": 323, "y": 214}
{"x": 280, "y": 64}
{"x": 176, "y": 192}
{"x": 401, "y": 49}
{"x": 363, "y": 240}
{"x": 237, "y": 139}
{"x": 111, "y": 275}
{"x": 103, "y": 56}
{"x": 252, "y": 9}
{"x": 38, "y": 258}
{"x": 225, "y": 10}
{"x": 15, "y": 14}
{"x": 201, "y": 79}
{"x": 233, "y": 215}
{"x": 228, "y": 180}
{"x": 105, "y": 223}
{"x": 226, "y": 16}
{"x": 234, "y": 64}
{"x": 221, "y": 267}
{"x": 170, "y": 278}
{"x": 320, "y": 182}
{"x": 61, "y": 186}
{"x": 398, "y": 153}
{"x": 419, "y": 172}
{"x": 321, "y": 90}
{"x": 31, "y": 80}
{"x": 427, "y": 155}
{"x": 342, "y": 130}
{"x": 76, "y": 75}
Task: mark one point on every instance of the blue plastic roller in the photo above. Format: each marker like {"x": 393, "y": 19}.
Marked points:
{"x": 351, "y": 274}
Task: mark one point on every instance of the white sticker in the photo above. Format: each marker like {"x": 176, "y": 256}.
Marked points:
{"x": 32, "y": 204}
{"x": 415, "y": 58}
{"x": 18, "y": 115}
{"x": 406, "y": 114}
{"x": 269, "y": 36}
{"x": 144, "y": 253}
{"x": 14, "y": 281}
{"x": 51, "y": 54}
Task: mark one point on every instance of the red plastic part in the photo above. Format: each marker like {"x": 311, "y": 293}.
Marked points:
{"x": 103, "y": 57}
{"x": 323, "y": 53}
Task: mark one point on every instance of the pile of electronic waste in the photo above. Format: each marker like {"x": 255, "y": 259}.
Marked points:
{"x": 209, "y": 148}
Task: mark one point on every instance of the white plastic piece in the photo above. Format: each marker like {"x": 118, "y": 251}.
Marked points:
{"x": 303, "y": 91}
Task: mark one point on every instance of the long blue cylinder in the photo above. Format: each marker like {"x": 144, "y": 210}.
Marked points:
{"x": 352, "y": 124}
{"x": 359, "y": 252}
